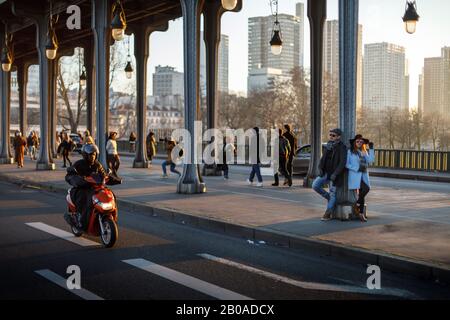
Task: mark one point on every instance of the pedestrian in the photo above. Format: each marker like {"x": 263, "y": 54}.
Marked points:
{"x": 169, "y": 161}
{"x": 151, "y": 146}
{"x": 293, "y": 142}
{"x": 359, "y": 157}
{"x": 132, "y": 141}
{"x": 331, "y": 168}
{"x": 112, "y": 155}
{"x": 32, "y": 145}
{"x": 88, "y": 138}
{"x": 255, "y": 159}
{"x": 67, "y": 146}
{"x": 283, "y": 157}
{"x": 19, "y": 144}
{"x": 228, "y": 155}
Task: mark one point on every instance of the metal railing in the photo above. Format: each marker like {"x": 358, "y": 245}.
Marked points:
{"x": 412, "y": 160}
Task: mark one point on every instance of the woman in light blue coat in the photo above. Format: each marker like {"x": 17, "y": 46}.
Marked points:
{"x": 360, "y": 155}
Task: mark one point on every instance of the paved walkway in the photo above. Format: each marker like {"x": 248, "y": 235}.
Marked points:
{"x": 406, "y": 218}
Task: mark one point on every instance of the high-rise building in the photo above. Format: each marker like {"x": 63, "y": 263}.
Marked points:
{"x": 385, "y": 78}
{"x": 167, "y": 81}
{"x": 222, "y": 84}
{"x": 260, "y": 33}
{"x": 264, "y": 79}
{"x": 331, "y": 57}
{"x": 436, "y": 84}
{"x": 420, "y": 93}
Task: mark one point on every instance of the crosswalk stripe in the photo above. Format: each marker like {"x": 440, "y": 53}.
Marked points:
{"x": 305, "y": 284}
{"x": 62, "y": 234}
{"x": 186, "y": 280}
{"x": 60, "y": 281}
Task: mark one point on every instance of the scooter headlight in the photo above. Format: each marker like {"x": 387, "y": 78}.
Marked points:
{"x": 104, "y": 206}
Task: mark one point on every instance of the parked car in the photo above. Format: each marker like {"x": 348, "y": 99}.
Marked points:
{"x": 300, "y": 163}
{"x": 78, "y": 142}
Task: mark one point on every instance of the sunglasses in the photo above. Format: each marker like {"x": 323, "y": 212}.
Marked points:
{"x": 333, "y": 135}
{"x": 359, "y": 141}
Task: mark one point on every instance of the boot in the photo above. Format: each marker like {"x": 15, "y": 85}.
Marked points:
{"x": 276, "y": 183}
{"x": 327, "y": 215}
{"x": 362, "y": 215}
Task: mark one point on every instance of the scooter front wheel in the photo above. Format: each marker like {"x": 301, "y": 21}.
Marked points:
{"x": 110, "y": 234}
{"x": 76, "y": 232}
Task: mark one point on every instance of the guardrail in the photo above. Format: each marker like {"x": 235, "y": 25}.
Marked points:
{"x": 412, "y": 160}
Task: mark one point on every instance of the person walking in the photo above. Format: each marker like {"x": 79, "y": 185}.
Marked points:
{"x": 19, "y": 144}
{"x": 359, "y": 157}
{"x": 112, "y": 154}
{"x": 331, "y": 168}
{"x": 132, "y": 141}
{"x": 32, "y": 145}
{"x": 87, "y": 138}
{"x": 151, "y": 146}
{"x": 255, "y": 159}
{"x": 283, "y": 156}
{"x": 228, "y": 154}
{"x": 66, "y": 147}
{"x": 293, "y": 142}
{"x": 169, "y": 161}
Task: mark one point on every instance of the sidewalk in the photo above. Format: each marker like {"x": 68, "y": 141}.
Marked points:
{"x": 408, "y": 229}
{"x": 376, "y": 172}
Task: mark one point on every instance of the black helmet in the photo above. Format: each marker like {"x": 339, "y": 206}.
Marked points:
{"x": 88, "y": 149}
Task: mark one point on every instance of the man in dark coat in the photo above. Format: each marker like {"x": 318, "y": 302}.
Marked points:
{"x": 293, "y": 143}
{"x": 331, "y": 168}
{"x": 283, "y": 156}
{"x": 81, "y": 193}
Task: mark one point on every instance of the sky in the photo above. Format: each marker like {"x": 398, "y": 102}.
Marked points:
{"x": 381, "y": 20}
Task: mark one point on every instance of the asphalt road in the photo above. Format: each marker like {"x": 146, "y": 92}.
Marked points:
{"x": 154, "y": 259}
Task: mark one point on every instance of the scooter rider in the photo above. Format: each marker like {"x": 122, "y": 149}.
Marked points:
{"x": 81, "y": 193}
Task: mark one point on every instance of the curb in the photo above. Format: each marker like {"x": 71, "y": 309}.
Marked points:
{"x": 408, "y": 176}
{"x": 385, "y": 261}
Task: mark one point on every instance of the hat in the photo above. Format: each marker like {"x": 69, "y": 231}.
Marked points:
{"x": 337, "y": 131}
{"x": 359, "y": 137}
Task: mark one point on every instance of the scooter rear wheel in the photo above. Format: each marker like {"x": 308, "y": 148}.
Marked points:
{"x": 111, "y": 234}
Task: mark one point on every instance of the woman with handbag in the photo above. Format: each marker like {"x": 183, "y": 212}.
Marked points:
{"x": 360, "y": 155}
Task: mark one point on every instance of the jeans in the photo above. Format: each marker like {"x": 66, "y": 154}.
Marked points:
{"x": 256, "y": 170}
{"x": 317, "y": 186}
{"x": 225, "y": 171}
{"x": 172, "y": 167}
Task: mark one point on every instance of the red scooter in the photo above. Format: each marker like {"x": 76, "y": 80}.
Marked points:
{"x": 103, "y": 217}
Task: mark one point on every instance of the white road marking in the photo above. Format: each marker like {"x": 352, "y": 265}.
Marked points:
{"x": 186, "y": 280}
{"x": 60, "y": 281}
{"x": 305, "y": 284}
{"x": 62, "y": 234}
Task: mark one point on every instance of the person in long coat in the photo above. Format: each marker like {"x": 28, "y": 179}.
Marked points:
{"x": 151, "y": 146}
{"x": 19, "y": 144}
{"x": 360, "y": 155}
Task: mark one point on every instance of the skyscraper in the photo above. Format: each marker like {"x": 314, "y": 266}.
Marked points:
{"x": 167, "y": 81}
{"x": 436, "y": 85}
{"x": 260, "y": 33}
{"x": 385, "y": 78}
{"x": 331, "y": 56}
{"x": 222, "y": 84}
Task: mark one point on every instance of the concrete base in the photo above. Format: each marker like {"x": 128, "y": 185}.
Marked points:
{"x": 6, "y": 160}
{"x": 191, "y": 188}
{"x": 141, "y": 164}
{"x": 45, "y": 166}
{"x": 211, "y": 171}
{"x": 343, "y": 213}
{"x": 307, "y": 182}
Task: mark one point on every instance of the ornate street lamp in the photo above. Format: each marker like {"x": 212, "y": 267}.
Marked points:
{"x": 119, "y": 22}
{"x": 83, "y": 77}
{"x": 229, "y": 4}
{"x": 129, "y": 67}
{"x": 51, "y": 47}
{"x": 7, "y": 57}
{"x": 276, "y": 44}
{"x": 411, "y": 17}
